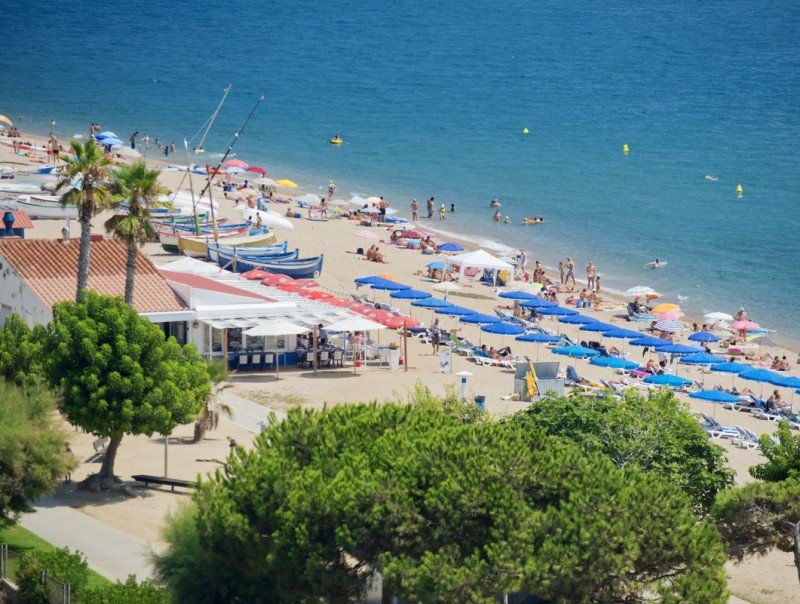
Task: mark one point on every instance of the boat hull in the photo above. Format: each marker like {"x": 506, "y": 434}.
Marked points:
{"x": 197, "y": 247}
{"x": 41, "y": 207}
{"x": 304, "y": 268}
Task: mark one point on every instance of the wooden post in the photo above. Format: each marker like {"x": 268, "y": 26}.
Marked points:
{"x": 314, "y": 348}
{"x": 405, "y": 346}
{"x": 225, "y": 351}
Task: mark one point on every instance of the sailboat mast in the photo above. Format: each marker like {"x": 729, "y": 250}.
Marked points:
{"x": 212, "y": 174}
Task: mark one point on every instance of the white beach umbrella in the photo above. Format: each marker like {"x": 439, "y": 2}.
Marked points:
{"x": 354, "y": 324}
{"x": 126, "y": 152}
{"x": 308, "y": 198}
{"x": 669, "y": 326}
{"x": 640, "y": 290}
{"x": 276, "y": 328}
{"x": 718, "y": 316}
{"x": 264, "y": 181}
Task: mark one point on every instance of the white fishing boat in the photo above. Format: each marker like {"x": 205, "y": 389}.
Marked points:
{"x": 20, "y": 188}
{"x": 45, "y": 206}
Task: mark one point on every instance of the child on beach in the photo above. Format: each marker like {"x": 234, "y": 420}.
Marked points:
{"x": 442, "y": 212}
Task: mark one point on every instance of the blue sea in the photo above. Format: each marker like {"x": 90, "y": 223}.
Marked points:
{"x": 432, "y": 98}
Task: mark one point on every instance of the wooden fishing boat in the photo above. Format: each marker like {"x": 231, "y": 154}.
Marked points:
{"x": 45, "y": 206}
{"x": 197, "y": 246}
{"x": 214, "y": 256}
{"x": 170, "y": 240}
{"x": 302, "y": 268}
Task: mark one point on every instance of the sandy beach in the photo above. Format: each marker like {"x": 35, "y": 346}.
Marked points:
{"x": 769, "y": 579}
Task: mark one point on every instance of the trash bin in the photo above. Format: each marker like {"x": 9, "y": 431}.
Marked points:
{"x": 481, "y": 402}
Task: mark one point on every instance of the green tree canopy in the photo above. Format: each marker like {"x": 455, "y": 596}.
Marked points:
{"x": 118, "y": 374}
{"x": 33, "y": 452}
{"x": 759, "y": 517}
{"x": 19, "y": 351}
{"x": 655, "y": 433}
{"x": 783, "y": 457}
{"x": 446, "y": 510}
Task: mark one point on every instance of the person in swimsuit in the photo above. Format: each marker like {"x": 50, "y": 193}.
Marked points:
{"x": 570, "y": 272}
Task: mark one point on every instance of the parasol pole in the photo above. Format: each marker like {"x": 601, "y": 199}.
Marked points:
{"x": 191, "y": 189}
{"x": 222, "y": 161}
{"x": 405, "y": 347}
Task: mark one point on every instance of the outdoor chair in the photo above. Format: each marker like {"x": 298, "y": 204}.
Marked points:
{"x": 269, "y": 360}
{"x": 324, "y": 358}
{"x": 244, "y": 363}
{"x": 256, "y": 361}
{"x": 338, "y": 358}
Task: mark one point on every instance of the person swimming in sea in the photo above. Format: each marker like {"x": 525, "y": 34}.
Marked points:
{"x": 494, "y": 203}
{"x": 497, "y": 217}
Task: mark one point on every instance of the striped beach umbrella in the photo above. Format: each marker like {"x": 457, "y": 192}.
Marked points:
{"x": 669, "y": 326}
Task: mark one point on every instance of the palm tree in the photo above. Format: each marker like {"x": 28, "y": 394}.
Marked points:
{"x": 213, "y": 408}
{"x": 138, "y": 185}
{"x": 91, "y": 167}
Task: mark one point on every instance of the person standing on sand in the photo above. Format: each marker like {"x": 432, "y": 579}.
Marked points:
{"x": 331, "y": 189}
{"x": 430, "y": 207}
{"x": 590, "y": 274}
{"x": 414, "y": 210}
{"x": 597, "y": 284}
{"x": 570, "y": 272}
{"x": 436, "y": 334}
{"x": 561, "y": 271}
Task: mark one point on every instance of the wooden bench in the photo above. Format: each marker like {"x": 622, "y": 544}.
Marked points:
{"x": 170, "y": 482}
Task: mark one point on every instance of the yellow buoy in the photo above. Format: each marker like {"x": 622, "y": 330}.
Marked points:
{"x": 739, "y": 190}
{"x": 525, "y": 131}
{"x": 625, "y": 149}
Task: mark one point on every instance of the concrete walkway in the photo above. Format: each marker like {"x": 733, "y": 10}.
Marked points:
{"x": 111, "y": 552}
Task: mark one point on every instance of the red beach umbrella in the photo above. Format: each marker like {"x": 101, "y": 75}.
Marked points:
{"x": 360, "y": 308}
{"x": 315, "y": 295}
{"x": 340, "y": 302}
{"x": 278, "y": 280}
{"x": 412, "y": 235}
{"x": 306, "y": 283}
{"x": 397, "y": 322}
{"x": 290, "y": 288}
{"x": 256, "y": 169}
{"x": 256, "y": 274}
{"x": 378, "y": 315}
{"x": 235, "y": 163}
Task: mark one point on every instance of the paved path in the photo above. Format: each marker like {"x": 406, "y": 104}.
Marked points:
{"x": 111, "y": 552}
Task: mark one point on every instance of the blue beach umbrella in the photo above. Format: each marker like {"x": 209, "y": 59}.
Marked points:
{"x": 614, "y": 363}
{"x": 391, "y": 286}
{"x": 537, "y": 338}
{"x": 454, "y": 311}
{"x": 432, "y": 303}
{"x": 679, "y": 349}
{"x": 650, "y": 342}
{"x": 105, "y": 134}
{"x": 623, "y": 334}
{"x": 556, "y": 311}
{"x": 410, "y": 294}
{"x": 761, "y": 375}
{"x": 577, "y": 320}
{"x": 369, "y": 280}
{"x": 503, "y": 328}
{"x": 702, "y": 359}
{"x": 789, "y": 381}
{"x": 479, "y": 318}
{"x": 598, "y": 327}
{"x": 715, "y": 396}
{"x": 577, "y": 352}
{"x": 703, "y": 336}
{"x": 519, "y": 295}
{"x": 111, "y": 140}
{"x": 450, "y": 247}
{"x": 538, "y": 303}
{"x": 667, "y": 379}
{"x": 436, "y": 264}
{"x": 731, "y": 367}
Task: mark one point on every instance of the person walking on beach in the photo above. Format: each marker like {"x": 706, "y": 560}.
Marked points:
{"x": 430, "y": 207}
{"x": 570, "y": 272}
{"x": 414, "y": 210}
{"x": 133, "y": 139}
{"x": 436, "y": 334}
{"x": 590, "y": 274}
{"x": 331, "y": 189}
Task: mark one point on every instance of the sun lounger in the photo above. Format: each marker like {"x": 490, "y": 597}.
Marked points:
{"x": 490, "y": 362}
{"x": 717, "y": 430}
{"x": 747, "y": 439}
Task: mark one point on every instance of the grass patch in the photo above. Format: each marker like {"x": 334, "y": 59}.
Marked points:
{"x": 22, "y": 541}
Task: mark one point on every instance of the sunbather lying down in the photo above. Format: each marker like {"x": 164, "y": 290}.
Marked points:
{"x": 504, "y": 354}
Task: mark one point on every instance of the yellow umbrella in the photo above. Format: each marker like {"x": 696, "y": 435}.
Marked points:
{"x": 666, "y": 307}
{"x": 286, "y": 183}
{"x": 3, "y": 118}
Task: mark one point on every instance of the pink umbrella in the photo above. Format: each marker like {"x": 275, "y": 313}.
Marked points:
{"x": 743, "y": 326}
{"x": 671, "y": 315}
{"x": 256, "y": 169}
{"x": 235, "y": 163}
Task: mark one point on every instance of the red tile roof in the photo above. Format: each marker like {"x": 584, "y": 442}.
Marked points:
{"x": 50, "y": 269}
{"x": 200, "y": 282}
{"x": 21, "y": 219}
